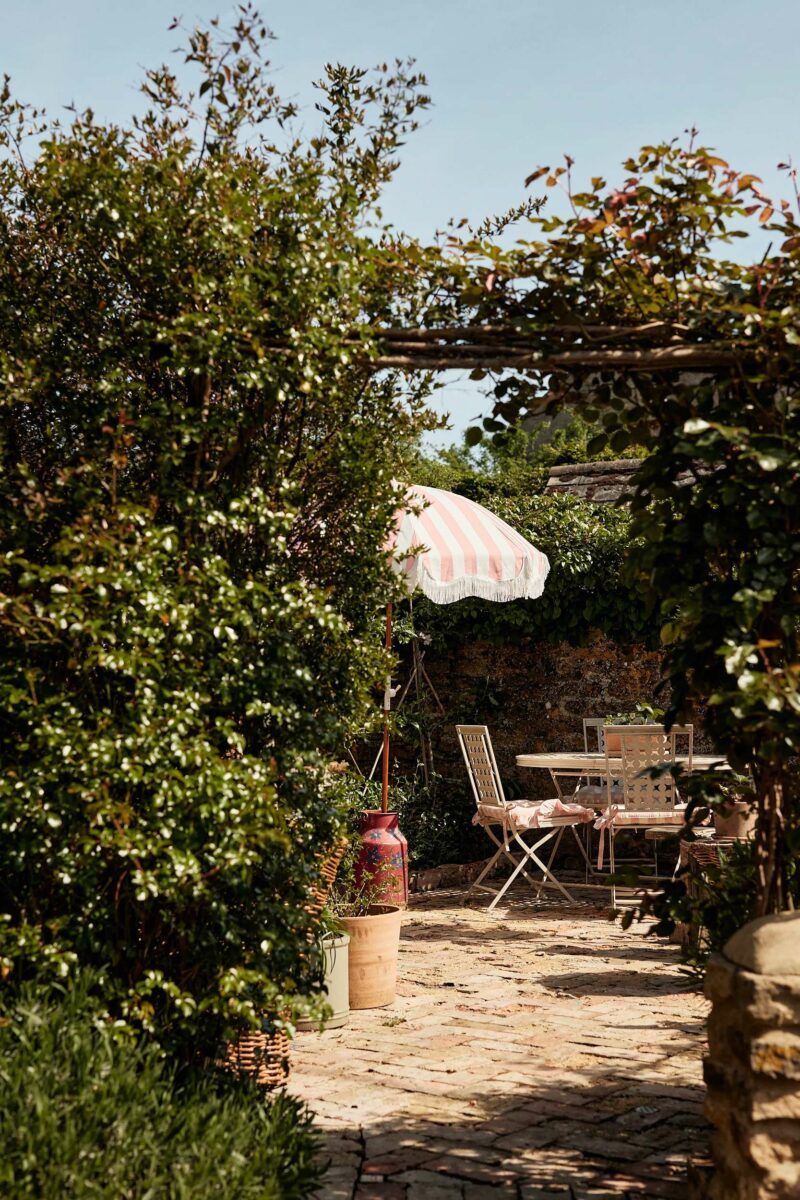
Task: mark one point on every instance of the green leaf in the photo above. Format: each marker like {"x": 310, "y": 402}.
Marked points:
{"x": 597, "y": 444}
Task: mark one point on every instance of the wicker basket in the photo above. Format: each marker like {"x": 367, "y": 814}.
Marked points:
{"x": 330, "y": 865}
{"x": 266, "y": 1056}
{"x": 697, "y": 858}
{"x": 262, "y": 1056}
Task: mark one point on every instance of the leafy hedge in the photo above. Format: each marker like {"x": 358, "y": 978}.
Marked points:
{"x": 85, "y": 1115}
{"x": 191, "y": 523}
{"x": 587, "y": 545}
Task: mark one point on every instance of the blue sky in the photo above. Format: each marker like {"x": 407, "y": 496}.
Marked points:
{"x": 515, "y": 84}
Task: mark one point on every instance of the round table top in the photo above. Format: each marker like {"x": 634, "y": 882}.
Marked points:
{"x": 594, "y": 763}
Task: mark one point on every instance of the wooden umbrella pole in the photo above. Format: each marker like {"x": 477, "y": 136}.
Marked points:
{"x": 387, "y": 704}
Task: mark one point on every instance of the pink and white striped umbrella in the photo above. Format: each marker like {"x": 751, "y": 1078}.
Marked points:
{"x": 463, "y": 550}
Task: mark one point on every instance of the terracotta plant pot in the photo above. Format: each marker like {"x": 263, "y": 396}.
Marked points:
{"x": 374, "y": 946}
{"x": 614, "y": 742}
{"x": 736, "y": 820}
{"x": 337, "y": 982}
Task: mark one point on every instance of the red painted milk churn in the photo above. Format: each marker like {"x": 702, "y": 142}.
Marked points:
{"x": 383, "y": 857}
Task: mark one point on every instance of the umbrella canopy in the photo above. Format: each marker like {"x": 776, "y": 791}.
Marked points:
{"x": 450, "y": 548}
{"x": 460, "y": 549}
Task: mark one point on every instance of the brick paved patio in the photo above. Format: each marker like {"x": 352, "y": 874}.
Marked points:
{"x": 541, "y": 1054}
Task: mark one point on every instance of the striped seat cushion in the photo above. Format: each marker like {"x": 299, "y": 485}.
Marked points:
{"x": 673, "y": 816}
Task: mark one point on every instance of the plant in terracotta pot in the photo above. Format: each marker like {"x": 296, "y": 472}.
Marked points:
{"x": 373, "y": 929}
{"x": 642, "y": 714}
{"x": 734, "y": 808}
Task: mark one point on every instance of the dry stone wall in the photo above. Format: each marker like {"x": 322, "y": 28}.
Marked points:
{"x": 753, "y": 1066}
{"x": 598, "y": 482}
{"x": 533, "y": 696}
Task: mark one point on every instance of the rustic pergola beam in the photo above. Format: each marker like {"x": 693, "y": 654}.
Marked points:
{"x": 498, "y": 348}
{"x": 512, "y": 333}
{"x": 497, "y": 358}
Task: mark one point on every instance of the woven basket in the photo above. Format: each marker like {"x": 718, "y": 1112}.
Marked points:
{"x": 699, "y": 857}
{"x": 262, "y": 1056}
{"x": 330, "y": 865}
{"x": 266, "y": 1056}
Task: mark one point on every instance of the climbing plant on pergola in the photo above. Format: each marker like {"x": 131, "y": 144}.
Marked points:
{"x": 631, "y": 309}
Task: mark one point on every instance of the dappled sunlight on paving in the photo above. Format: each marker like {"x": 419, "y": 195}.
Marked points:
{"x": 531, "y": 1053}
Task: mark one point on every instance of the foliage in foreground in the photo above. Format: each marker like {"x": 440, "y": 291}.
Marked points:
{"x": 87, "y": 1115}
{"x": 195, "y": 486}
{"x": 711, "y": 909}
{"x": 719, "y": 559}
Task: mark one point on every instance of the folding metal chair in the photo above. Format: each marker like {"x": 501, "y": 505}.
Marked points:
{"x": 593, "y": 790}
{"x": 647, "y": 802}
{"x": 515, "y": 818}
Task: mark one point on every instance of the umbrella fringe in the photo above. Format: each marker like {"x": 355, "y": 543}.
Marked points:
{"x": 524, "y": 587}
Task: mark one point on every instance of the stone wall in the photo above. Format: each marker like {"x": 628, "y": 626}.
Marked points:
{"x": 600, "y": 482}
{"x": 533, "y": 697}
{"x": 753, "y": 1065}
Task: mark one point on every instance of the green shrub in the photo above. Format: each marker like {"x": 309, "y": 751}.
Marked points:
{"x": 721, "y": 899}
{"x": 587, "y": 545}
{"x": 86, "y": 1115}
{"x": 195, "y": 486}
{"x": 154, "y": 824}
{"x": 719, "y": 903}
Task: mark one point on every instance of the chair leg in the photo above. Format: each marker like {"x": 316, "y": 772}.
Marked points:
{"x": 528, "y": 858}
{"x": 613, "y": 868}
{"x": 545, "y": 868}
{"x": 528, "y": 854}
{"x": 553, "y": 852}
{"x": 587, "y": 838}
{"x": 587, "y": 861}
{"x": 518, "y": 865}
{"x": 520, "y": 862}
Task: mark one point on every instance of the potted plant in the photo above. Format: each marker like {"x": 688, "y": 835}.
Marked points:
{"x": 642, "y": 714}
{"x": 735, "y": 813}
{"x": 374, "y": 932}
{"x": 333, "y": 944}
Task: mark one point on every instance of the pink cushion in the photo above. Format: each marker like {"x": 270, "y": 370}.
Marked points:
{"x": 532, "y": 814}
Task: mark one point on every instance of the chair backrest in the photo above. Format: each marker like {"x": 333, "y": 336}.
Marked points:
{"x": 643, "y": 747}
{"x": 476, "y": 746}
{"x": 595, "y": 724}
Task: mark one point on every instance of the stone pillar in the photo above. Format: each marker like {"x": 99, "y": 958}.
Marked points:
{"x": 753, "y": 1066}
